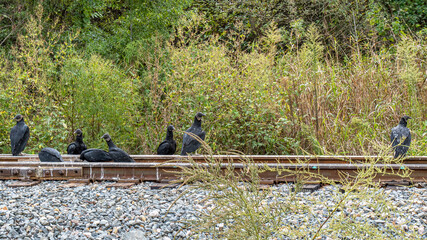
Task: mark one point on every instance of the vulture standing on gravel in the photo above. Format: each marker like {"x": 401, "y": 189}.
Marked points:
{"x": 19, "y": 135}
{"x": 117, "y": 154}
{"x": 401, "y": 137}
{"x": 168, "y": 146}
{"x": 189, "y": 143}
{"x": 78, "y": 146}
{"x": 95, "y": 155}
{"x": 50, "y": 155}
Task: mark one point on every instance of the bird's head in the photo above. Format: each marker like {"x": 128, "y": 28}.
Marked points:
{"x": 18, "y": 118}
{"x": 106, "y": 137}
{"x": 404, "y": 120}
{"x": 78, "y": 132}
{"x": 199, "y": 116}
{"x": 170, "y": 128}
{"x": 406, "y": 117}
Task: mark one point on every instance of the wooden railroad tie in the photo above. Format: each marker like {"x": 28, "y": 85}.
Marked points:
{"x": 75, "y": 183}
{"x": 124, "y": 183}
{"x": 23, "y": 183}
{"x": 163, "y": 185}
{"x": 308, "y": 187}
{"x": 396, "y": 184}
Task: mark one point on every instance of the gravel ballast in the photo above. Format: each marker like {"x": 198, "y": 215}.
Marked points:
{"x": 48, "y": 211}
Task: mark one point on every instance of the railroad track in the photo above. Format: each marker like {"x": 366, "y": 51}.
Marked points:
{"x": 234, "y": 158}
{"x": 167, "y": 168}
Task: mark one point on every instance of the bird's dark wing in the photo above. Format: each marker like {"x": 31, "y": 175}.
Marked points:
{"x": 173, "y": 147}
{"x": 71, "y": 149}
{"x": 167, "y": 148}
{"x": 163, "y": 148}
{"x": 50, "y": 155}
{"x": 83, "y": 154}
{"x": 190, "y": 145}
{"x": 26, "y": 136}
{"x": 83, "y": 147}
{"x": 23, "y": 142}
{"x": 202, "y": 135}
{"x": 118, "y": 155}
{"x": 187, "y": 138}
{"x": 95, "y": 155}
{"x": 16, "y": 136}
{"x": 407, "y": 135}
{"x": 19, "y": 136}
{"x": 401, "y": 142}
{"x": 395, "y": 136}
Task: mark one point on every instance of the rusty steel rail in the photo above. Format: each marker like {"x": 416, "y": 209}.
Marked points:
{"x": 166, "y": 172}
{"x": 233, "y": 158}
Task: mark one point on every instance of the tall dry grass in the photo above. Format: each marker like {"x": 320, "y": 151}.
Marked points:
{"x": 263, "y": 102}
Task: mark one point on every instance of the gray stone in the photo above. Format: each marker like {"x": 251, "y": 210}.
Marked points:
{"x": 93, "y": 212}
{"x": 134, "y": 235}
{"x": 154, "y": 213}
{"x": 43, "y": 221}
{"x": 13, "y": 233}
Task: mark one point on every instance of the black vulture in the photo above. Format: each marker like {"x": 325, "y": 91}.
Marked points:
{"x": 117, "y": 154}
{"x": 168, "y": 146}
{"x": 78, "y": 146}
{"x": 19, "y": 135}
{"x": 189, "y": 143}
{"x": 50, "y": 155}
{"x": 401, "y": 137}
{"x": 95, "y": 155}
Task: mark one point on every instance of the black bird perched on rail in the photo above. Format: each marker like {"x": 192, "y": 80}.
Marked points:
{"x": 401, "y": 137}
{"x": 189, "y": 143}
{"x": 168, "y": 146}
{"x": 50, "y": 155}
{"x": 19, "y": 135}
{"x": 117, "y": 154}
{"x": 78, "y": 146}
{"x": 95, "y": 155}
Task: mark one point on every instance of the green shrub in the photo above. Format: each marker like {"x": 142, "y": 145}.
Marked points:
{"x": 99, "y": 98}
{"x": 258, "y": 98}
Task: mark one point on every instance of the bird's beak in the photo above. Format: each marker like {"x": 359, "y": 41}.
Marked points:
{"x": 409, "y": 118}
{"x": 75, "y": 132}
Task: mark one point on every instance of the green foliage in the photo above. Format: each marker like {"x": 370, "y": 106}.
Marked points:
{"x": 28, "y": 81}
{"x": 410, "y": 14}
{"x": 12, "y": 17}
{"x": 98, "y": 98}
{"x": 109, "y": 27}
{"x": 273, "y": 77}
{"x": 341, "y": 22}
{"x": 237, "y": 96}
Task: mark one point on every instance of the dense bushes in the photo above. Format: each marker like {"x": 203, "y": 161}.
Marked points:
{"x": 344, "y": 24}
{"x": 262, "y": 103}
{"x": 289, "y": 90}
